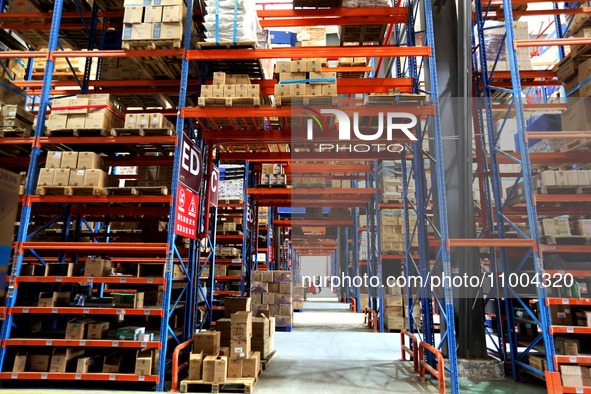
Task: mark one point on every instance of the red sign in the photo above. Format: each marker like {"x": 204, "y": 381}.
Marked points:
{"x": 213, "y": 185}
{"x": 187, "y": 197}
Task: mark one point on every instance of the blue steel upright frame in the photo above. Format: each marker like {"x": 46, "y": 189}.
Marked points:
{"x": 531, "y": 258}
{"x": 423, "y": 196}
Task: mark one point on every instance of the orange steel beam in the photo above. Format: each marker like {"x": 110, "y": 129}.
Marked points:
{"x": 322, "y": 168}
{"x": 288, "y": 156}
{"x": 330, "y": 52}
{"x": 101, "y": 199}
{"x": 63, "y": 26}
{"x": 561, "y": 11}
{"x": 553, "y": 42}
{"x": 313, "y": 223}
{"x": 338, "y": 21}
{"x": 106, "y": 343}
{"x": 523, "y": 74}
{"x": 575, "y": 135}
{"x": 118, "y": 377}
{"x": 337, "y": 191}
{"x": 333, "y": 12}
{"x": 109, "y": 140}
{"x": 49, "y": 15}
{"x": 95, "y": 246}
{"x": 85, "y": 54}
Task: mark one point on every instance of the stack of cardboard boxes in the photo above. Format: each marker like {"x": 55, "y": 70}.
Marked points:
{"x": 314, "y": 182}
{"x": 228, "y": 87}
{"x": 272, "y": 291}
{"x": 299, "y": 295}
{"x": 11, "y": 94}
{"x": 147, "y": 121}
{"x": 566, "y": 227}
{"x": 15, "y": 116}
{"x": 73, "y": 169}
{"x": 273, "y": 174}
{"x": 395, "y": 309}
{"x": 153, "y": 24}
{"x": 62, "y": 64}
{"x": 551, "y": 179}
{"x": 14, "y": 71}
{"x": 495, "y": 42}
{"x": 152, "y": 176}
{"x": 304, "y": 78}
{"x": 312, "y": 37}
{"x": 573, "y": 71}
{"x": 85, "y": 111}
{"x": 392, "y": 230}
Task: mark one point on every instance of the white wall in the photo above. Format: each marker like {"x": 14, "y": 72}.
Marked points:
{"x": 314, "y": 266}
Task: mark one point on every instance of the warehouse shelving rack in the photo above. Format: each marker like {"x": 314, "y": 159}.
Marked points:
{"x": 512, "y": 83}
{"x": 137, "y": 252}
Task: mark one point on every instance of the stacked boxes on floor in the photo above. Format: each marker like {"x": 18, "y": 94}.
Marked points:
{"x": 273, "y": 174}
{"x": 272, "y": 291}
{"x": 228, "y": 87}
{"x": 153, "y": 24}
{"x": 395, "y": 309}
{"x": 85, "y": 111}
{"x": 299, "y": 294}
{"x": 66, "y": 168}
{"x": 304, "y": 78}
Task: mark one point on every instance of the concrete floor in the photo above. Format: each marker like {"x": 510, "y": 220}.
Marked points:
{"x": 331, "y": 351}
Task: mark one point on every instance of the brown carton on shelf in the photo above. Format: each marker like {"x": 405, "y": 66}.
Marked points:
{"x": 538, "y": 362}
{"x": 89, "y": 160}
{"x": 97, "y": 267}
{"x": 69, "y": 160}
{"x": 76, "y": 177}
{"x": 561, "y": 315}
{"x": 38, "y": 363}
{"x": 52, "y": 299}
{"x": 130, "y": 121}
{"x": 96, "y": 178}
{"x": 98, "y": 330}
{"x": 207, "y": 342}
{"x": 219, "y": 78}
{"x": 20, "y": 362}
{"x": 46, "y": 176}
{"x": 61, "y": 177}
{"x": 112, "y": 363}
{"x": 86, "y": 364}
{"x": 54, "y": 159}
{"x": 251, "y": 365}
{"x": 235, "y": 367}
{"x": 567, "y": 346}
{"x": 285, "y": 287}
{"x": 575, "y": 376}
{"x": 76, "y": 328}
{"x": 63, "y": 360}
{"x": 144, "y": 361}
{"x": 283, "y": 66}
{"x": 195, "y": 366}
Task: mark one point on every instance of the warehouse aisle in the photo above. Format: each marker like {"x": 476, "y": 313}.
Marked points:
{"x": 331, "y": 351}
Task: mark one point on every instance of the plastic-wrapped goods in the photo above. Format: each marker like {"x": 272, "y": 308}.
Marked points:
{"x": 494, "y": 38}
{"x": 231, "y": 20}
{"x": 366, "y": 3}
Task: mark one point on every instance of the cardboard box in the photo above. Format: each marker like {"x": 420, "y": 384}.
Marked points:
{"x": 561, "y": 315}
{"x": 583, "y": 318}
{"x": 96, "y": 178}
{"x": 144, "y": 362}
{"x": 285, "y": 288}
{"x": 54, "y": 159}
{"x": 86, "y": 364}
{"x": 260, "y": 327}
{"x": 130, "y": 333}
{"x": 219, "y": 78}
{"x": 215, "y": 369}
{"x": 195, "y": 365}
{"x": 128, "y": 300}
{"x": 133, "y": 15}
{"x": 57, "y": 121}
{"x": 89, "y": 160}
{"x": 76, "y": 177}
{"x": 207, "y": 342}
{"x": 167, "y": 31}
{"x": 20, "y": 362}
{"x": 575, "y": 376}
{"x": 282, "y": 298}
{"x": 235, "y": 367}
{"x": 239, "y": 348}
{"x": 273, "y": 287}
{"x": 283, "y": 320}
{"x": 259, "y": 286}
{"x": 63, "y": 360}
{"x": 37, "y": 363}
{"x": 251, "y": 365}
{"x": 130, "y": 121}
{"x": 538, "y": 363}
{"x": 329, "y": 90}
{"x": 98, "y": 330}
{"x": 581, "y": 227}
{"x": 562, "y": 227}
{"x": 69, "y": 160}
{"x": 322, "y": 76}
{"x": 298, "y": 89}
{"x": 174, "y": 13}
{"x": 281, "y": 276}
{"x": 159, "y": 121}
{"x": 97, "y": 267}
{"x": 567, "y": 346}
{"x": 153, "y": 14}
{"x": 263, "y": 346}
{"x": 112, "y": 363}
{"x": 46, "y": 177}
{"x": 283, "y": 66}
{"x": 314, "y": 90}
{"x": 61, "y": 177}
{"x": 49, "y": 299}
{"x": 76, "y": 121}
{"x": 76, "y": 328}
{"x": 295, "y": 76}
{"x": 282, "y": 90}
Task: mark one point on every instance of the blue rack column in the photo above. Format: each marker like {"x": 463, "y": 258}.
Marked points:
{"x": 171, "y": 237}
{"x": 32, "y": 173}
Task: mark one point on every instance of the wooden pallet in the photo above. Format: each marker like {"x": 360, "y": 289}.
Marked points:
{"x": 576, "y": 145}
{"x": 229, "y": 101}
{"x": 267, "y": 360}
{"x": 392, "y": 99}
{"x": 305, "y": 100}
{"x": 137, "y": 191}
{"x": 252, "y": 67}
{"x": 567, "y": 240}
{"x": 80, "y": 133}
{"x": 152, "y": 44}
{"x": 69, "y": 190}
{"x": 362, "y": 34}
{"x": 15, "y": 132}
{"x": 242, "y": 385}
{"x": 142, "y": 132}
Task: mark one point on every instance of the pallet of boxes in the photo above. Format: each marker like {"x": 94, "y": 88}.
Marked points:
{"x": 273, "y": 174}
{"x": 272, "y": 291}
{"x": 395, "y": 309}
{"x": 299, "y": 296}
{"x": 153, "y": 26}
{"x": 237, "y": 365}
{"x": 230, "y": 90}
{"x": 15, "y": 121}
{"x": 73, "y": 173}
{"x": 302, "y": 82}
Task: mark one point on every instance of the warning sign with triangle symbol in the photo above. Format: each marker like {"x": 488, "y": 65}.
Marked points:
{"x": 193, "y": 207}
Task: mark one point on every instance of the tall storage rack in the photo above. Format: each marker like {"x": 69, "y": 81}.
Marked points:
{"x": 169, "y": 254}
{"x": 512, "y": 83}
